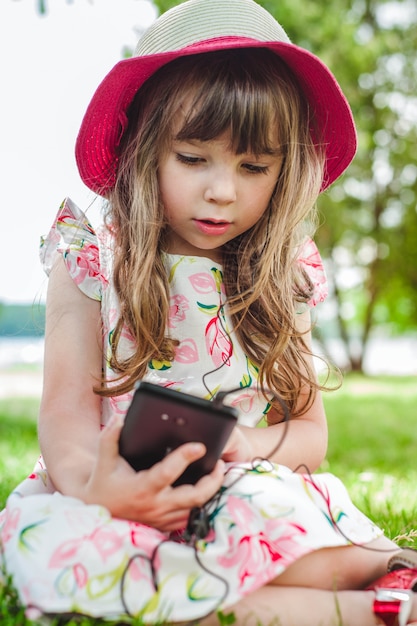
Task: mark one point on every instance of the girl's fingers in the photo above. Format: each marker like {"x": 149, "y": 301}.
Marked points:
{"x": 161, "y": 477}
{"x": 169, "y": 507}
{"x": 167, "y": 471}
{"x": 204, "y": 489}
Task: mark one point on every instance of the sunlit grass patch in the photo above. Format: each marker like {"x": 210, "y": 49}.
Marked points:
{"x": 372, "y": 449}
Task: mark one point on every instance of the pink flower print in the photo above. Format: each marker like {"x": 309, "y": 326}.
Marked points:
{"x": 244, "y": 402}
{"x": 177, "y": 308}
{"x": 309, "y": 257}
{"x": 309, "y": 254}
{"x": 105, "y": 542}
{"x": 70, "y": 215}
{"x": 138, "y": 568}
{"x": 187, "y": 351}
{"x": 257, "y": 556}
{"x": 120, "y": 404}
{"x": 39, "y": 470}
{"x": 84, "y": 264}
{"x": 265, "y": 542}
{"x": 321, "y": 292}
{"x": 80, "y": 575}
{"x": 218, "y": 343}
{"x": 66, "y": 553}
{"x": 145, "y": 537}
{"x": 321, "y": 496}
{"x": 81, "y": 520}
{"x": 10, "y": 524}
{"x": 203, "y": 282}
{"x": 242, "y": 515}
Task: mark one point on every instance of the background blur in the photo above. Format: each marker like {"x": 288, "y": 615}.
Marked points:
{"x": 55, "y": 53}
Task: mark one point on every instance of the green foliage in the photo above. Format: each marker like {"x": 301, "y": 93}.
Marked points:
{"x": 368, "y": 226}
{"x": 369, "y": 217}
{"x": 226, "y": 619}
{"x": 20, "y": 320}
{"x": 164, "y": 5}
{"x": 11, "y": 613}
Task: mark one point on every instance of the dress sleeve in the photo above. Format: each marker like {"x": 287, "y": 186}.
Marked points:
{"x": 310, "y": 259}
{"x": 73, "y": 237}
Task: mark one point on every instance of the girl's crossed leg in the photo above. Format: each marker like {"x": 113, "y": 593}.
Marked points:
{"x": 323, "y": 588}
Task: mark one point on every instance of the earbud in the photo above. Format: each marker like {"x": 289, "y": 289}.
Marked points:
{"x": 198, "y": 524}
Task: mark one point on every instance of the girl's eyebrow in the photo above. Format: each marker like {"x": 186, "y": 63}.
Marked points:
{"x": 273, "y": 151}
{"x": 266, "y": 151}
{"x": 193, "y": 142}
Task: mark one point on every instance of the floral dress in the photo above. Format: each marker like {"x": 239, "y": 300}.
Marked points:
{"x": 66, "y": 556}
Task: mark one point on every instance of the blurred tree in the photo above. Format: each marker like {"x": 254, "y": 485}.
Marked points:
{"x": 22, "y": 320}
{"x": 368, "y": 231}
{"x": 42, "y": 6}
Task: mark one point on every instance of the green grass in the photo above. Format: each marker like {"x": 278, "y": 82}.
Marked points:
{"x": 372, "y": 447}
{"x": 18, "y": 442}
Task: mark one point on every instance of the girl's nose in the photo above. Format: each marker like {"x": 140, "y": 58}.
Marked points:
{"x": 221, "y": 187}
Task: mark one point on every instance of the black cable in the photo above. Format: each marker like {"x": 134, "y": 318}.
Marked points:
{"x": 220, "y": 311}
{"x": 199, "y": 521}
{"x": 124, "y": 574}
{"x": 333, "y": 521}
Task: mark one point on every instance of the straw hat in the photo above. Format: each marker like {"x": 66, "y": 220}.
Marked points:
{"x": 194, "y": 27}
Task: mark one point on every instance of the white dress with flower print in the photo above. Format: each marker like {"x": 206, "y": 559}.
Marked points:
{"x": 66, "y": 556}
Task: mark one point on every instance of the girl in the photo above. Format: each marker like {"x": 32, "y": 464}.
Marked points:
{"x": 210, "y": 147}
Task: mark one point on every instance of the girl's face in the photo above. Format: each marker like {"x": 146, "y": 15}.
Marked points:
{"x": 211, "y": 194}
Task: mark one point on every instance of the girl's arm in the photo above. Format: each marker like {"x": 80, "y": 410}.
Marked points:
{"x": 303, "y": 440}
{"x": 69, "y": 420}
{"x": 82, "y": 461}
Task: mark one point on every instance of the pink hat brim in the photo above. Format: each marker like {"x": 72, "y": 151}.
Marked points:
{"x": 105, "y": 120}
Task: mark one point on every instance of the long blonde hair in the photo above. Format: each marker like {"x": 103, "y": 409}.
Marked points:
{"x": 247, "y": 93}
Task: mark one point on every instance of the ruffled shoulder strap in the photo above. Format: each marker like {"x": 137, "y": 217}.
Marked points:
{"x": 73, "y": 237}
{"x": 310, "y": 259}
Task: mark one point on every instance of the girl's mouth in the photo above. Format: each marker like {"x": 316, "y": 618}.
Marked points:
{"x": 212, "y": 227}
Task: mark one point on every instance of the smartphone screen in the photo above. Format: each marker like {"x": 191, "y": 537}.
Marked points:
{"x": 160, "y": 419}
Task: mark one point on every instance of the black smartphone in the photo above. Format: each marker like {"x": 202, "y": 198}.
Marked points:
{"x": 159, "y": 420}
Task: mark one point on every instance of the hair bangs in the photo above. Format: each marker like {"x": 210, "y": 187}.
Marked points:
{"x": 229, "y": 99}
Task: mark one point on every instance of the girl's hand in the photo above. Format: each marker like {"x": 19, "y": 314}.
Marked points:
{"x": 238, "y": 447}
{"x": 147, "y": 496}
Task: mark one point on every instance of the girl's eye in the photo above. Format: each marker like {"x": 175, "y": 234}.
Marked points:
{"x": 252, "y": 168}
{"x": 186, "y": 159}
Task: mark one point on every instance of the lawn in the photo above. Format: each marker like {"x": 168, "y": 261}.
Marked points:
{"x": 372, "y": 447}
